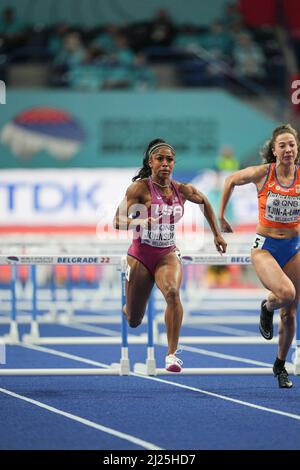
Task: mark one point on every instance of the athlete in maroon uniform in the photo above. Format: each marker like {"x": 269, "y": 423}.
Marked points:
{"x": 152, "y": 206}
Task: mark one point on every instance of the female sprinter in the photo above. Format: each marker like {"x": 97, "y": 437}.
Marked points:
{"x": 276, "y": 249}
{"x": 152, "y": 206}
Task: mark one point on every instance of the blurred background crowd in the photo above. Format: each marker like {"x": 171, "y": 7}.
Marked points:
{"x": 90, "y": 82}
{"x": 249, "y": 46}
{"x": 239, "y": 57}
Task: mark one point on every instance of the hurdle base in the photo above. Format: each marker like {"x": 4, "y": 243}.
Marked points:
{"x": 124, "y": 364}
{"x": 34, "y": 334}
{"x": 149, "y": 368}
{"x": 13, "y": 336}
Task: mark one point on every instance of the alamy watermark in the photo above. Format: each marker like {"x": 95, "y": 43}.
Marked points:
{"x": 154, "y": 226}
{"x": 296, "y": 93}
{"x": 2, "y": 92}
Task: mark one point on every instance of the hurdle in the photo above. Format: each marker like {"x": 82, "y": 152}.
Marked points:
{"x": 57, "y": 304}
{"x": 121, "y": 368}
{"x": 149, "y": 367}
{"x": 34, "y": 335}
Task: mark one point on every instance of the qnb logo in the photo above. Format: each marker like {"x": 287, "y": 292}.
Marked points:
{"x": 296, "y": 93}
{"x": 2, "y": 92}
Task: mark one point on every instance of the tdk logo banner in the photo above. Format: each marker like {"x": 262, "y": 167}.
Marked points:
{"x": 60, "y": 197}
{"x": 50, "y": 196}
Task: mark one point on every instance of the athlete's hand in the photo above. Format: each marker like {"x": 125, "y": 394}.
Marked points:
{"x": 220, "y": 243}
{"x": 225, "y": 226}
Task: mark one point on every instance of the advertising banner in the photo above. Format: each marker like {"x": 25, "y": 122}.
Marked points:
{"x": 89, "y": 198}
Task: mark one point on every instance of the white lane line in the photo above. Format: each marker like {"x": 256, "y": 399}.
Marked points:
{"x": 224, "y": 329}
{"x": 187, "y": 387}
{"x": 54, "y": 352}
{"x": 183, "y": 347}
{"x": 86, "y": 422}
{"x": 223, "y": 397}
{"x": 92, "y": 329}
{"x": 205, "y": 352}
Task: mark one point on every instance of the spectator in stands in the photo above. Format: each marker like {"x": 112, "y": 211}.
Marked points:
{"x": 143, "y": 76}
{"x": 72, "y": 52}
{"x": 123, "y": 55}
{"x": 189, "y": 39}
{"x": 56, "y": 38}
{"x": 120, "y": 65}
{"x": 89, "y": 74}
{"x": 10, "y": 26}
{"x": 232, "y": 15}
{"x": 162, "y": 30}
{"x": 70, "y": 56}
{"x": 217, "y": 41}
{"x": 248, "y": 58}
{"x": 106, "y": 39}
{"x": 227, "y": 161}
{"x": 12, "y": 34}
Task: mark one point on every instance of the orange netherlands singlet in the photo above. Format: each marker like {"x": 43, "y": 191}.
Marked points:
{"x": 279, "y": 206}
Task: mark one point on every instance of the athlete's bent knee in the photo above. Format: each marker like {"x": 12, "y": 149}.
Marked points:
{"x": 288, "y": 315}
{"x": 287, "y": 294}
{"x": 172, "y": 294}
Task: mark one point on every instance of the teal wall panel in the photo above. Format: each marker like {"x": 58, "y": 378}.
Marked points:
{"x": 111, "y": 129}
{"x": 99, "y": 12}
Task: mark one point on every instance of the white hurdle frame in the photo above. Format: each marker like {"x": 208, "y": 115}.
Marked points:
{"x": 149, "y": 367}
{"x": 122, "y": 368}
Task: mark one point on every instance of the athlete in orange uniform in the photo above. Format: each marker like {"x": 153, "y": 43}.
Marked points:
{"x": 276, "y": 249}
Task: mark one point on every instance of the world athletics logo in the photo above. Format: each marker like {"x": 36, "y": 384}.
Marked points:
{"x": 43, "y": 128}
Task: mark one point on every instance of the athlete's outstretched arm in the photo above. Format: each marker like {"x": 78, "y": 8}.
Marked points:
{"x": 190, "y": 193}
{"x": 252, "y": 174}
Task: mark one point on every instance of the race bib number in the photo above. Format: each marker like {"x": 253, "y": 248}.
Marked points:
{"x": 258, "y": 242}
{"x": 163, "y": 235}
{"x": 282, "y": 208}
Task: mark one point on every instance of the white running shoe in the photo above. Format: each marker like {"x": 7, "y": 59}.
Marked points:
{"x": 173, "y": 363}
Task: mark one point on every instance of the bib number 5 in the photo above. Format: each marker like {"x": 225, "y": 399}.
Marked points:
{"x": 258, "y": 242}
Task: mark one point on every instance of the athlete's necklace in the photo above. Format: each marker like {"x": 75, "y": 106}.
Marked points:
{"x": 161, "y": 185}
